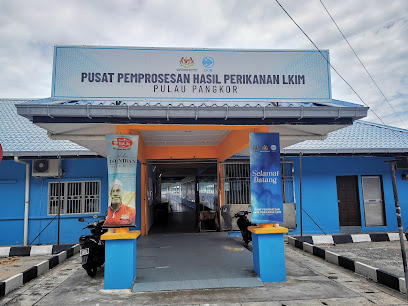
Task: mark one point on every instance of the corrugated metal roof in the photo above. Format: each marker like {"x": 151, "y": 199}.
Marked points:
{"x": 20, "y": 137}
{"x": 361, "y": 137}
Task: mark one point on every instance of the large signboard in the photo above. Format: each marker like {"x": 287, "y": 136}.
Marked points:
{"x": 266, "y": 178}
{"x": 122, "y": 164}
{"x": 190, "y": 74}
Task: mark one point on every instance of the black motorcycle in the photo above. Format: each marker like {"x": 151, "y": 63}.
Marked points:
{"x": 92, "y": 250}
{"x": 243, "y": 224}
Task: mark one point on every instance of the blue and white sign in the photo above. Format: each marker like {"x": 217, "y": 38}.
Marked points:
{"x": 266, "y": 178}
{"x": 82, "y": 73}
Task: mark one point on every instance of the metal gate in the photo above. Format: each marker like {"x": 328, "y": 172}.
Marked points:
{"x": 237, "y": 190}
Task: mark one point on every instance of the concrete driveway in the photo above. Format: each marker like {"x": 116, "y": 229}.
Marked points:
{"x": 310, "y": 281}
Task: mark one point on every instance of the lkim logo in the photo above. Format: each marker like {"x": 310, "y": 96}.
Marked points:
{"x": 208, "y": 62}
{"x": 256, "y": 148}
{"x": 187, "y": 62}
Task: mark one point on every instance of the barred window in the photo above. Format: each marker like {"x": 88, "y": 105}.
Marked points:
{"x": 74, "y": 197}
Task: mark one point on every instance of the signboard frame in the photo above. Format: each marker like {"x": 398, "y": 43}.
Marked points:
{"x": 276, "y": 86}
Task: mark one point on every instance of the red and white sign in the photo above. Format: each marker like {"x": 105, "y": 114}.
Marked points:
{"x": 122, "y": 143}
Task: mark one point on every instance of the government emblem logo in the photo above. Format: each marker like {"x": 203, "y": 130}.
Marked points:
{"x": 187, "y": 62}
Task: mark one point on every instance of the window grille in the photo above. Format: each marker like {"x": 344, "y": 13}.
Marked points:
{"x": 75, "y": 197}
{"x": 237, "y": 184}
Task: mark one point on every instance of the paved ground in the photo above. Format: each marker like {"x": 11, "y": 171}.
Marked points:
{"x": 10, "y": 266}
{"x": 310, "y": 281}
{"x": 193, "y": 261}
{"x": 381, "y": 255}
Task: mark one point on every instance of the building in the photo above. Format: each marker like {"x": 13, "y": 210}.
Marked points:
{"x": 352, "y": 159}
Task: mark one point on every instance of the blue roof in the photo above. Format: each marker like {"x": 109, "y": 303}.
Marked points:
{"x": 20, "y": 137}
{"x": 360, "y": 138}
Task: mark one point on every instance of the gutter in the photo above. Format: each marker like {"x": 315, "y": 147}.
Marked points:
{"x": 27, "y": 196}
{"x": 134, "y": 112}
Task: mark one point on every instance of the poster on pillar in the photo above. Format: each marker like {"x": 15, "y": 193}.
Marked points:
{"x": 122, "y": 163}
{"x": 266, "y": 180}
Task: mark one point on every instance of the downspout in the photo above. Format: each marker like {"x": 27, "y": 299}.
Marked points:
{"x": 27, "y": 196}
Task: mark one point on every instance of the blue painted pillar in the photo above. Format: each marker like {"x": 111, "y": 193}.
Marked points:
{"x": 120, "y": 258}
{"x": 268, "y": 252}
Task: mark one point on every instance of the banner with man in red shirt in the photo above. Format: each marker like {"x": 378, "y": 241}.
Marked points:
{"x": 122, "y": 165}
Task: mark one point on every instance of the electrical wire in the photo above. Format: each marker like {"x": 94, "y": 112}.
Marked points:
{"x": 361, "y": 99}
{"x": 391, "y": 129}
{"x": 362, "y": 64}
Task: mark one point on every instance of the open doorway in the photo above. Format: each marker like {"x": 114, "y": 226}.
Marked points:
{"x": 182, "y": 196}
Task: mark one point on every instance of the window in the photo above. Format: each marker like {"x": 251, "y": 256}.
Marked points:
{"x": 75, "y": 197}
{"x": 373, "y": 201}
{"x": 237, "y": 182}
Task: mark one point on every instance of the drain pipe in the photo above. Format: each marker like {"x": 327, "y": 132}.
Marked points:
{"x": 27, "y": 196}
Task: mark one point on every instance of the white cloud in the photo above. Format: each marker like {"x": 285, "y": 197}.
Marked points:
{"x": 377, "y": 30}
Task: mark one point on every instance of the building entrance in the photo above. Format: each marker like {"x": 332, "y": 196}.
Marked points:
{"x": 182, "y": 196}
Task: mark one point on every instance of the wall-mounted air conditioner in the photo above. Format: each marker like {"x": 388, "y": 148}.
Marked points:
{"x": 401, "y": 162}
{"x": 46, "y": 167}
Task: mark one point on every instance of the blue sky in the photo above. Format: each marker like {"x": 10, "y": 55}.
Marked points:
{"x": 377, "y": 30}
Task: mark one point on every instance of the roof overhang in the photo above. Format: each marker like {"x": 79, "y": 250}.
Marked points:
{"x": 194, "y": 113}
{"x": 171, "y": 124}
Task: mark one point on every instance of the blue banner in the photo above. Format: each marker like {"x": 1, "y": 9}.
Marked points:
{"x": 122, "y": 163}
{"x": 266, "y": 179}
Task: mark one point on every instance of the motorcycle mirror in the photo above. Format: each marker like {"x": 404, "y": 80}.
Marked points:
{"x": 81, "y": 219}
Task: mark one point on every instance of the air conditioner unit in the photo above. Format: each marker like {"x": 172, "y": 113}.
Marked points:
{"x": 45, "y": 167}
{"x": 401, "y": 162}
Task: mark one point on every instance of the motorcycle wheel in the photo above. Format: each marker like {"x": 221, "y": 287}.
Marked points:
{"x": 91, "y": 271}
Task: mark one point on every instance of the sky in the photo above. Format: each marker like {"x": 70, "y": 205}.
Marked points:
{"x": 376, "y": 29}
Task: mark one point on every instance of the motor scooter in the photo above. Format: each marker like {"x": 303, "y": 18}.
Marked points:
{"x": 92, "y": 250}
{"x": 243, "y": 224}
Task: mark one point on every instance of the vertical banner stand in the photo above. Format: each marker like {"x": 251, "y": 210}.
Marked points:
{"x": 120, "y": 258}
{"x": 268, "y": 251}
{"x": 268, "y": 247}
